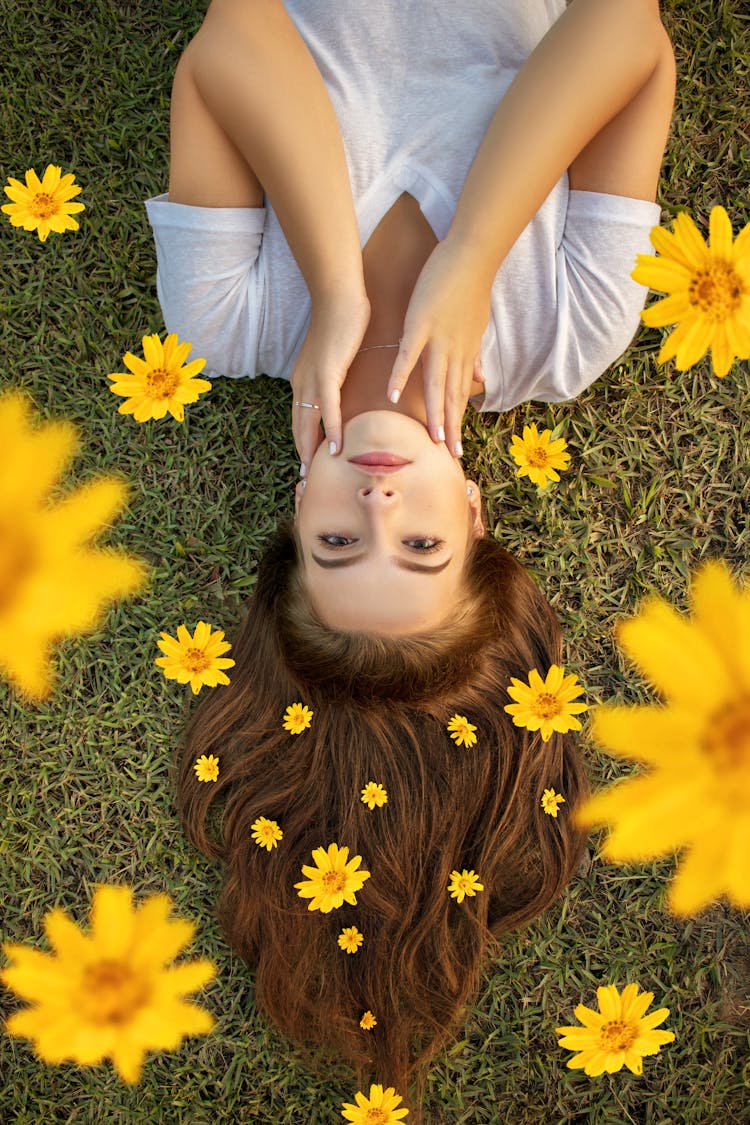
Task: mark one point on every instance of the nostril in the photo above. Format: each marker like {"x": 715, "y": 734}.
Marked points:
{"x": 389, "y": 493}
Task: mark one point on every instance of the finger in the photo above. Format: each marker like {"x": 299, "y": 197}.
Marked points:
{"x": 478, "y": 372}
{"x": 455, "y": 402}
{"x": 330, "y": 410}
{"x": 406, "y": 360}
{"x": 307, "y": 432}
{"x": 434, "y": 368}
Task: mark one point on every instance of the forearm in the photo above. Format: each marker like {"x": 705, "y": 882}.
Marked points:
{"x": 260, "y": 82}
{"x": 589, "y": 66}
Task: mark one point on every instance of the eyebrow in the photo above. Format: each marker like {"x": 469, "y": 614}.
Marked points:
{"x": 404, "y": 564}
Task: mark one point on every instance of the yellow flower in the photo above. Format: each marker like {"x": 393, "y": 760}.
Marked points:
{"x": 464, "y": 883}
{"x": 462, "y": 731}
{"x": 111, "y": 993}
{"x": 618, "y": 1035}
{"x": 160, "y": 383}
{"x": 332, "y": 881}
{"x": 374, "y": 794}
{"x": 196, "y": 659}
{"x": 207, "y": 768}
{"x": 546, "y": 705}
{"x": 266, "y": 833}
{"x": 551, "y": 801}
{"x": 378, "y": 1109}
{"x": 52, "y": 583}
{"x": 708, "y": 287}
{"x": 699, "y": 744}
{"x": 43, "y": 205}
{"x": 297, "y": 718}
{"x": 368, "y": 1021}
{"x": 538, "y": 457}
{"x": 350, "y": 939}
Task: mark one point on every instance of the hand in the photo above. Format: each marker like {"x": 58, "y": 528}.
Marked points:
{"x": 337, "y": 327}
{"x": 447, "y": 316}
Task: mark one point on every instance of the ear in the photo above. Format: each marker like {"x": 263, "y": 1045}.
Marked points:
{"x": 475, "y": 504}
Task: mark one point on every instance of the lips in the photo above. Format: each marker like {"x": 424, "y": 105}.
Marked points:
{"x": 379, "y": 460}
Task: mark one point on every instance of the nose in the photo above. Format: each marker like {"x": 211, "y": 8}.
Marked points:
{"x": 379, "y": 494}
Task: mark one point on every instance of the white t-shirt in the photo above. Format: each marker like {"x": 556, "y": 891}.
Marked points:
{"x": 414, "y": 86}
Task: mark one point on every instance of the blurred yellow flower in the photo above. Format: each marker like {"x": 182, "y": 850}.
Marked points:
{"x": 266, "y": 833}
{"x": 464, "y": 883}
{"x": 545, "y": 705}
{"x": 195, "y": 659}
{"x": 538, "y": 457}
{"x": 350, "y": 939}
{"x": 368, "y": 1021}
{"x": 43, "y": 205}
{"x": 618, "y": 1035}
{"x": 160, "y": 383}
{"x": 374, "y": 794}
{"x": 111, "y": 993}
{"x": 708, "y": 287}
{"x": 551, "y": 801}
{"x": 378, "y": 1109}
{"x": 462, "y": 731}
{"x": 207, "y": 768}
{"x": 52, "y": 583}
{"x": 297, "y": 718}
{"x": 698, "y": 744}
{"x": 333, "y": 881}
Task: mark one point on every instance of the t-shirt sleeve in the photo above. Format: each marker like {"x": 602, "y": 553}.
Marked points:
{"x": 209, "y": 280}
{"x": 591, "y": 309}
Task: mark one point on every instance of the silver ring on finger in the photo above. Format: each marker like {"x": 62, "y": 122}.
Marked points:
{"x": 309, "y": 405}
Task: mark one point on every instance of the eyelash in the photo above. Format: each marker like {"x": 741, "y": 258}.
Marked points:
{"x": 435, "y": 544}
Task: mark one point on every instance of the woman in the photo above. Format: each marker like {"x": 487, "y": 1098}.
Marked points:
{"x": 472, "y": 181}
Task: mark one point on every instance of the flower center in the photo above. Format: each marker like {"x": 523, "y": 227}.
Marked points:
{"x": 616, "y": 1036}
{"x": 716, "y": 290}
{"x": 537, "y": 457}
{"x": 375, "y": 1117}
{"x": 334, "y": 882}
{"x": 16, "y": 561}
{"x": 112, "y": 992}
{"x": 161, "y": 383}
{"x": 546, "y": 705}
{"x": 727, "y": 738}
{"x": 43, "y": 205}
{"x": 195, "y": 660}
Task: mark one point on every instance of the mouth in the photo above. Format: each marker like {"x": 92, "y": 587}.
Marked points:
{"x": 379, "y": 460}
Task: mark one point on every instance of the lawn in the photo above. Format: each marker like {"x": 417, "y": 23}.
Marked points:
{"x": 658, "y": 482}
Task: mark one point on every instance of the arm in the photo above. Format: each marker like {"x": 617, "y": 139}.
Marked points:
{"x": 594, "y": 97}
{"x": 251, "y": 113}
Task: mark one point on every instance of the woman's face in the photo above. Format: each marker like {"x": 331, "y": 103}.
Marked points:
{"x": 384, "y": 546}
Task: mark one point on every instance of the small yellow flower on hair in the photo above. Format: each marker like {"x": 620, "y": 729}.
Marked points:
{"x": 551, "y": 801}
{"x": 374, "y": 794}
{"x": 297, "y": 718}
{"x": 350, "y": 939}
{"x": 207, "y": 768}
{"x": 464, "y": 883}
{"x": 266, "y": 833}
{"x": 333, "y": 880}
{"x": 546, "y": 705}
{"x": 462, "y": 731}
{"x": 368, "y": 1021}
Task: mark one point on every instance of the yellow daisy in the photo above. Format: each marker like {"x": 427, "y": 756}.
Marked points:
{"x": 53, "y": 584}
{"x": 195, "y": 659}
{"x": 698, "y": 744}
{"x": 350, "y": 939}
{"x": 618, "y": 1035}
{"x": 297, "y": 718}
{"x": 378, "y": 1109}
{"x": 551, "y": 801}
{"x": 43, "y": 205}
{"x": 160, "y": 383}
{"x": 545, "y": 705}
{"x": 333, "y": 881}
{"x": 374, "y": 794}
{"x": 708, "y": 287}
{"x": 207, "y": 768}
{"x": 266, "y": 833}
{"x": 464, "y": 883}
{"x": 538, "y": 457}
{"x": 368, "y": 1021}
{"x": 462, "y": 731}
{"x": 111, "y": 993}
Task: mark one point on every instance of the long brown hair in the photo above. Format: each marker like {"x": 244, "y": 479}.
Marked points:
{"x": 381, "y": 706}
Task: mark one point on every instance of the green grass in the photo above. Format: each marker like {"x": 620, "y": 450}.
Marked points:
{"x": 658, "y": 482}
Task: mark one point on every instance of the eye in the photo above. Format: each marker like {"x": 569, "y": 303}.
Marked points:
{"x": 424, "y": 545}
{"x": 335, "y": 542}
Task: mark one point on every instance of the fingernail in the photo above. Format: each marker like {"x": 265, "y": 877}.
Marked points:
{"x": 458, "y": 449}
{"x": 441, "y": 433}
{"x": 332, "y": 447}
{"x": 303, "y": 470}
{"x": 395, "y": 396}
